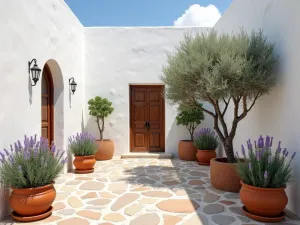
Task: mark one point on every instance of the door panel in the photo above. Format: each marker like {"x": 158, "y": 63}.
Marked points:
{"x": 146, "y": 105}
{"x": 47, "y": 105}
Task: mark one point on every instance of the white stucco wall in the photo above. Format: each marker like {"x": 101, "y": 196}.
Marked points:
{"x": 43, "y": 30}
{"x": 117, "y": 57}
{"x": 278, "y": 113}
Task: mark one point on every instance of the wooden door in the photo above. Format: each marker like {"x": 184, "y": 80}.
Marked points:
{"x": 147, "y": 118}
{"x": 47, "y": 105}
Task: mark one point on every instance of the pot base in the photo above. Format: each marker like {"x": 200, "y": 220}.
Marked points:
{"x": 204, "y": 164}
{"x": 83, "y": 171}
{"x": 17, "y": 217}
{"x": 264, "y": 219}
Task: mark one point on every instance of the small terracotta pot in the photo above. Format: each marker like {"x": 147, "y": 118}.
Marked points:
{"x": 32, "y": 201}
{"x": 84, "y": 162}
{"x": 186, "y": 150}
{"x": 223, "y": 175}
{"x": 204, "y": 156}
{"x": 266, "y": 202}
{"x": 106, "y": 150}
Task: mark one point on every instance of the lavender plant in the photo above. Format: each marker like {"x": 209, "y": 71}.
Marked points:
{"x": 206, "y": 139}
{"x": 82, "y": 144}
{"x": 262, "y": 168}
{"x": 33, "y": 164}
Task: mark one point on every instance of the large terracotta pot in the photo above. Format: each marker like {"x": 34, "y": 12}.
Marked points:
{"x": 84, "y": 163}
{"x": 223, "y": 175}
{"x": 266, "y": 202}
{"x": 204, "y": 156}
{"x": 186, "y": 150}
{"x": 105, "y": 150}
{"x": 32, "y": 201}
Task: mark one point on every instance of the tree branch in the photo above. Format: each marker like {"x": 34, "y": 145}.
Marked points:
{"x": 256, "y": 97}
{"x": 200, "y": 107}
{"x": 221, "y": 119}
{"x": 226, "y": 106}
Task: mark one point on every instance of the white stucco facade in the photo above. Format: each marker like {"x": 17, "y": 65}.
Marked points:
{"x": 51, "y": 33}
{"x": 104, "y": 61}
{"x": 118, "y": 57}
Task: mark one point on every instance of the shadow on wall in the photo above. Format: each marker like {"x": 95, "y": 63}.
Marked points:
{"x": 177, "y": 133}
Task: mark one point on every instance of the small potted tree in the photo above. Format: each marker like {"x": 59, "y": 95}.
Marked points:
{"x": 83, "y": 147}
{"x": 101, "y": 108}
{"x": 29, "y": 170}
{"x": 221, "y": 70}
{"x": 206, "y": 141}
{"x": 190, "y": 118}
{"x": 264, "y": 177}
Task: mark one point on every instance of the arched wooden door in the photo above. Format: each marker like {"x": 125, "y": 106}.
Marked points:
{"x": 47, "y": 105}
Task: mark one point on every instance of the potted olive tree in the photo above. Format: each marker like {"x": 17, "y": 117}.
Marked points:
{"x": 83, "y": 147}
{"x": 206, "y": 141}
{"x": 190, "y": 118}
{"x": 229, "y": 73}
{"x": 264, "y": 177}
{"x": 29, "y": 169}
{"x": 101, "y": 108}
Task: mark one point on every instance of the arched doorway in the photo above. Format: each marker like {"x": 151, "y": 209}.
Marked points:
{"x": 47, "y": 128}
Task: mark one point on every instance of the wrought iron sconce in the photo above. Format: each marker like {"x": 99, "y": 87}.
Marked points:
{"x": 35, "y": 71}
{"x": 73, "y": 85}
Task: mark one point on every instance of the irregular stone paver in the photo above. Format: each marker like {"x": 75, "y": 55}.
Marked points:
{"x": 73, "y": 182}
{"x": 227, "y": 202}
{"x": 124, "y": 200}
{"x": 146, "y": 219}
{"x": 61, "y": 196}
{"x": 147, "y": 200}
{"x": 83, "y": 178}
{"x": 52, "y": 219}
{"x": 106, "y": 194}
{"x": 59, "y": 205}
{"x": 67, "y": 189}
{"x": 92, "y": 185}
{"x": 196, "y": 182}
{"x": 114, "y": 217}
{"x": 90, "y": 195}
{"x": 213, "y": 209}
{"x": 89, "y": 214}
{"x": 157, "y": 194}
{"x": 222, "y": 219}
{"x": 67, "y": 212}
{"x": 77, "y": 221}
{"x": 118, "y": 188}
{"x": 243, "y": 219}
{"x": 171, "y": 220}
{"x": 133, "y": 209}
{"x": 141, "y": 189}
{"x": 102, "y": 201}
{"x": 172, "y": 182}
{"x": 178, "y": 205}
{"x": 75, "y": 202}
{"x": 210, "y": 198}
{"x": 196, "y": 173}
{"x": 237, "y": 210}
{"x": 232, "y": 196}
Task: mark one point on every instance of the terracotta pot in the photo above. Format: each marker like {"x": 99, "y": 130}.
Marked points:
{"x": 267, "y": 202}
{"x": 84, "y": 162}
{"x": 105, "y": 150}
{"x": 223, "y": 175}
{"x": 32, "y": 201}
{"x": 204, "y": 156}
{"x": 186, "y": 150}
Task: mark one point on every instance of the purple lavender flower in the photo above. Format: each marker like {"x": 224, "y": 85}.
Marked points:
{"x": 61, "y": 155}
{"x": 249, "y": 145}
{"x": 284, "y": 151}
{"x": 11, "y": 159}
{"x": 278, "y": 151}
{"x": 260, "y": 142}
{"x": 53, "y": 148}
{"x": 266, "y": 174}
{"x": 6, "y": 152}
{"x": 64, "y": 161}
{"x": 2, "y": 156}
{"x": 255, "y": 145}
{"x": 293, "y": 156}
{"x": 286, "y": 154}
{"x": 268, "y": 141}
{"x": 243, "y": 150}
{"x": 250, "y": 166}
{"x": 271, "y": 142}
{"x": 11, "y": 148}
{"x": 257, "y": 155}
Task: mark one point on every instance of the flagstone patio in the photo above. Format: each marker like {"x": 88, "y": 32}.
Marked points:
{"x": 144, "y": 192}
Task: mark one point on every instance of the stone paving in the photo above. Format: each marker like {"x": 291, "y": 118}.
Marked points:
{"x": 145, "y": 192}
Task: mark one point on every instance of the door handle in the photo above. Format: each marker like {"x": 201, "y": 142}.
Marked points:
{"x": 147, "y": 124}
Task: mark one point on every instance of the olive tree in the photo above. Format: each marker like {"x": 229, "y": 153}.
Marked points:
{"x": 222, "y": 70}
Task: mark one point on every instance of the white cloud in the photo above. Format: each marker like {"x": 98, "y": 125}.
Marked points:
{"x": 198, "y": 15}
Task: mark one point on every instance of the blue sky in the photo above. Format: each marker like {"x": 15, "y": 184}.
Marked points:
{"x": 148, "y": 12}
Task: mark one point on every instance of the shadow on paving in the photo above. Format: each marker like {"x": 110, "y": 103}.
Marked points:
{"x": 185, "y": 180}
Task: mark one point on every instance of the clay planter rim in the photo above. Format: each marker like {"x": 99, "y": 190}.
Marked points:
{"x": 19, "y": 190}
{"x": 206, "y": 150}
{"x": 84, "y": 156}
{"x": 262, "y": 189}
{"x": 104, "y": 140}
{"x": 226, "y": 161}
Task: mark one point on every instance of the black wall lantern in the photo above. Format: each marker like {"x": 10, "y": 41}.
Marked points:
{"x": 35, "y": 71}
{"x": 73, "y": 85}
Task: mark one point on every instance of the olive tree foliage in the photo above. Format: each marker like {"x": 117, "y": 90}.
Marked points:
{"x": 190, "y": 117}
{"x": 221, "y": 69}
{"x": 100, "y": 108}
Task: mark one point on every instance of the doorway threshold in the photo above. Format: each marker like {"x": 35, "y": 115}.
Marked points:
{"x": 146, "y": 155}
